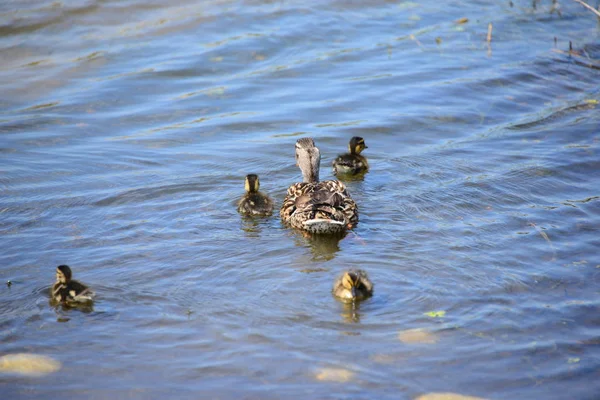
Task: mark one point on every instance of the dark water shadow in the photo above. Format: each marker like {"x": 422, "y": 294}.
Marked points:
{"x": 147, "y": 193}
{"x": 543, "y": 121}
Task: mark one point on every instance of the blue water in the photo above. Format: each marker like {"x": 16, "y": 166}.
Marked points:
{"x": 126, "y": 130}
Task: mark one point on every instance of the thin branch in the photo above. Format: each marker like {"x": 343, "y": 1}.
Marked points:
{"x": 579, "y": 59}
{"x": 586, "y": 5}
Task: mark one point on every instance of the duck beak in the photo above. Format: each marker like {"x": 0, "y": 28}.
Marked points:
{"x": 353, "y": 292}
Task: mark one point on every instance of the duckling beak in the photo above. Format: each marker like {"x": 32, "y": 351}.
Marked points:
{"x": 353, "y": 292}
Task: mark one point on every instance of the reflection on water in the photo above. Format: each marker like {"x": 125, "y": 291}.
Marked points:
{"x": 252, "y": 226}
{"x": 360, "y": 176}
{"x": 322, "y": 247}
{"x": 350, "y": 311}
{"x": 127, "y": 128}
{"x": 63, "y": 310}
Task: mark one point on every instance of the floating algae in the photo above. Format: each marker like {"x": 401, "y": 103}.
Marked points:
{"x": 334, "y": 375}
{"x": 28, "y": 364}
{"x": 418, "y": 335}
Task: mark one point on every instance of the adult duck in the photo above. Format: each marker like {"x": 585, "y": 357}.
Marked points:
{"x": 321, "y": 207}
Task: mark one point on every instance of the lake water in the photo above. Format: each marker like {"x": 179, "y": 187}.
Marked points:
{"x": 126, "y": 130}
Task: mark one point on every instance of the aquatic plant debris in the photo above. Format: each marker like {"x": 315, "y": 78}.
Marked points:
{"x": 417, "y": 335}
{"x": 447, "y": 396}
{"x": 29, "y": 364}
{"x": 334, "y": 375}
{"x": 546, "y": 238}
{"x": 311, "y": 270}
{"x": 586, "y": 5}
{"x": 384, "y": 358}
{"x": 435, "y": 314}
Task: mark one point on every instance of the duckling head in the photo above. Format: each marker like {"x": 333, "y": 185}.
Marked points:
{"x": 63, "y": 274}
{"x": 350, "y": 282}
{"x": 356, "y": 285}
{"x": 308, "y": 158}
{"x": 357, "y": 145}
{"x": 252, "y": 183}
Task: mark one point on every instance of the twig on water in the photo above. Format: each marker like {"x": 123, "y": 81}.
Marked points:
{"x": 547, "y": 238}
{"x": 586, "y": 5}
{"x": 579, "y": 59}
{"x": 412, "y": 37}
{"x": 489, "y": 40}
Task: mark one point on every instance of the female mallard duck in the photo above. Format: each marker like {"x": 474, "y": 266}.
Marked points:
{"x": 352, "y": 163}
{"x": 317, "y": 207}
{"x": 353, "y": 285}
{"x": 67, "y": 290}
{"x": 254, "y": 202}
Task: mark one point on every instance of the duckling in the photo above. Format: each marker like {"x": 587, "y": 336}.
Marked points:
{"x": 353, "y": 285}
{"x": 67, "y": 290}
{"x": 317, "y": 207}
{"x": 254, "y": 202}
{"x": 353, "y": 162}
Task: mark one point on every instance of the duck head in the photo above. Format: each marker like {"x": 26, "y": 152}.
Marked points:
{"x": 63, "y": 274}
{"x": 357, "y": 145}
{"x": 356, "y": 284}
{"x": 252, "y": 183}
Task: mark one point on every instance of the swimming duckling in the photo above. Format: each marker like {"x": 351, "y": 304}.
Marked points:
{"x": 317, "y": 207}
{"x": 254, "y": 202}
{"x": 353, "y": 285}
{"x": 67, "y": 290}
{"x": 352, "y": 163}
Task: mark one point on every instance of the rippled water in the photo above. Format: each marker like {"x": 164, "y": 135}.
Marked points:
{"x": 126, "y": 130}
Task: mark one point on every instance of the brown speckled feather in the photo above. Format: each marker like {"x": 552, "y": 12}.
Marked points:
{"x": 327, "y": 199}
{"x": 255, "y": 204}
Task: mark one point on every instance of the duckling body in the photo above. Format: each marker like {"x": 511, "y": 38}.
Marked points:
{"x": 67, "y": 290}
{"x": 353, "y": 162}
{"x": 254, "y": 202}
{"x": 321, "y": 207}
{"x": 353, "y": 285}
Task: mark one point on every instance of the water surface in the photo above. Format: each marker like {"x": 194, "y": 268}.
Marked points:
{"x": 126, "y": 130}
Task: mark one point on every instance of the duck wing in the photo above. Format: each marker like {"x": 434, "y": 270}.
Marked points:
{"x": 321, "y": 197}
{"x": 328, "y": 200}
{"x": 348, "y": 206}
{"x": 314, "y": 206}
{"x": 79, "y": 293}
{"x": 289, "y": 202}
